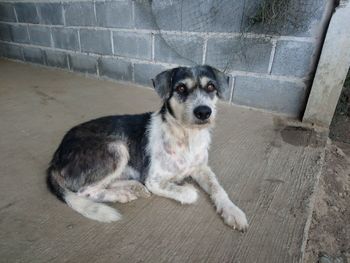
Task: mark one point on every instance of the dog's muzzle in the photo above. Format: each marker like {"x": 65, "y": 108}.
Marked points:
{"x": 202, "y": 112}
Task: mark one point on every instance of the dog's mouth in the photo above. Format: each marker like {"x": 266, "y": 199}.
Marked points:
{"x": 202, "y": 123}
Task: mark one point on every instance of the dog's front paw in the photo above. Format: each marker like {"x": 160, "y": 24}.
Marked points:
{"x": 234, "y": 217}
{"x": 188, "y": 195}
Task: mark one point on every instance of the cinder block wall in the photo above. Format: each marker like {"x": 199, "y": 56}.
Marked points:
{"x": 134, "y": 40}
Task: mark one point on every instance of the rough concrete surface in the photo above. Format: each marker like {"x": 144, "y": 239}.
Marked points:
{"x": 329, "y": 236}
{"x": 272, "y": 180}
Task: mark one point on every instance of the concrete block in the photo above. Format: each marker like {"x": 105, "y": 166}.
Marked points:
{"x": 114, "y": 14}
{"x": 115, "y": 69}
{"x": 295, "y": 18}
{"x": 144, "y": 19}
{"x": 5, "y": 32}
{"x": 72, "y": 11}
{"x": 187, "y": 50}
{"x": 65, "y": 38}
{"x": 50, "y": 13}
{"x": 273, "y": 95}
{"x": 144, "y": 73}
{"x": 27, "y": 13}
{"x": 11, "y": 51}
{"x": 56, "y": 59}
{"x": 7, "y": 12}
{"x": 83, "y": 63}
{"x": 96, "y": 41}
{"x": 246, "y": 54}
{"x": 203, "y": 16}
{"x": 34, "y": 55}
{"x": 19, "y": 33}
{"x": 40, "y": 35}
{"x": 134, "y": 45}
{"x": 293, "y": 58}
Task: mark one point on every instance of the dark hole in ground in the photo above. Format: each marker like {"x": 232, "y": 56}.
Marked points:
{"x": 340, "y": 126}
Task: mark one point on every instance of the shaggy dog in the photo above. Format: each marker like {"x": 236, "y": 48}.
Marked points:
{"x": 121, "y": 158}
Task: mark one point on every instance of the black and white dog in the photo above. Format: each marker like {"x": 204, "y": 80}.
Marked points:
{"x": 121, "y": 158}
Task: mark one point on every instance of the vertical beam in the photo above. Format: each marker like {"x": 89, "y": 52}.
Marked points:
{"x": 331, "y": 70}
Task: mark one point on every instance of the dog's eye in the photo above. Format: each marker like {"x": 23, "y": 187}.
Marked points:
{"x": 181, "y": 88}
{"x": 211, "y": 88}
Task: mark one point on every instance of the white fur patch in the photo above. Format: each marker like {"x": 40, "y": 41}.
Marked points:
{"x": 175, "y": 151}
{"x": 90, "y": 209}
{"x": 232, "y": 215}
{"x": 204, "y": 81}
{"x": 189, "y": 82}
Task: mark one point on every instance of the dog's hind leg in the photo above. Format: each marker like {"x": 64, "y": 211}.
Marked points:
{"x": 88, "y": 169}
{"x": 121, "y": 191}
{"x": 121, "y": 152}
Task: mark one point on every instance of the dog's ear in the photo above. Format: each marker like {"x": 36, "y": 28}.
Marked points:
{"x": 161, "y": 83}
{"x": 223, "y": 81}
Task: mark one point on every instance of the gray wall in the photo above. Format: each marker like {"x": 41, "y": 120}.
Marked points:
{"x": 270, "y": 60}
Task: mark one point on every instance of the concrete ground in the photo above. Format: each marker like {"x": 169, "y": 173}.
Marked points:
{"x": 268, "y": 168}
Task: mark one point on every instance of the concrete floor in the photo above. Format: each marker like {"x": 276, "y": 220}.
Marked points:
{"x": 268, "y": 169}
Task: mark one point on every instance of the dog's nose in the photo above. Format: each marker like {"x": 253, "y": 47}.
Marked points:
{"x": 202, "y": 112}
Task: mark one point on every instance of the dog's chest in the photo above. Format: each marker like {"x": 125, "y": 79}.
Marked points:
{"x": 179, "y": 154}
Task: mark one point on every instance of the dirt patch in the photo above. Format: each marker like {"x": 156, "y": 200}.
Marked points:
{"x": 339, "y": 130}
{"x": 329, "y": 235}
{"x": 301, "y": 136}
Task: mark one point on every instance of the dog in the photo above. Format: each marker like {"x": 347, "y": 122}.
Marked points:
{"x": 121, "y": 158}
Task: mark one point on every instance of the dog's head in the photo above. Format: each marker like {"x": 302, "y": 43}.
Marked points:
{"x": 190, "y": 93}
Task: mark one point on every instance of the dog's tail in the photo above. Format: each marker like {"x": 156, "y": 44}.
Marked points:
{"x": 82, "y": 205}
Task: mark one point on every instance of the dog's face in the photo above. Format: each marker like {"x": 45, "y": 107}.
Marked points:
{"x": 190, "y": 94}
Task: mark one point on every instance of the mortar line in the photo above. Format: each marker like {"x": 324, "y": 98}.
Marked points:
{"x": 51, "y": 39}
{"x": 94, "y": 2}
{"x": 232, "y": 88}
{"x": 79, "y": 40}
{"x": 133, "y": 72}
{"x": 112, "y": 42}
{"x": 52, "y": 1}
{"x": 272, "y": 55}
{"x": 14, "y": 10}
{"x": 141, "y": 61}
{"x": 98, "y": 69}
{"x": 183, "y": 33}
{"x": 153, "y": 47}
{"x": 38, "y": 13}
{"x": 68, "y": 62}
{"x": 28, "y": 33}
{"x": 133, "y": 13}
{"x": 205, "y": 44}
{"x": 94, "y": 76}
{"x": 63, "y": 14}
